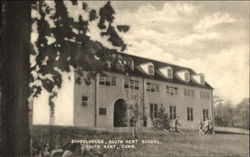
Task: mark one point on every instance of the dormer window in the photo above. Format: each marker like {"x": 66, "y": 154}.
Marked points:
{"x": 199, "y": 78}
{"x": 169, "y": 72}
{"x": 151, "y": 69}
{"x": 187, "y": 76}
{"x": 147, "y": 68}
{"x": 202, "y": 77}
{"x": 129, "y": 63}
{"x": 184, "y": 75}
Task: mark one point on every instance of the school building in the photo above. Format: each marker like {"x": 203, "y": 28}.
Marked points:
{"x": 149, "y": 85}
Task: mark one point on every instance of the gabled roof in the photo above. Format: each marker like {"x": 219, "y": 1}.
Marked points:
{"x": 157, "y": 64}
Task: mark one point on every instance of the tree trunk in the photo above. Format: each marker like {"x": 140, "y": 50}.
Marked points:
{"x": 15, "y": 79}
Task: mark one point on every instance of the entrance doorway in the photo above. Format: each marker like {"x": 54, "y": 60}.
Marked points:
{"x": 120, "y": 113}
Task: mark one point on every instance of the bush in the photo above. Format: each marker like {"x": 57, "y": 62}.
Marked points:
{"x": 162, "y": 121}
{"x": 45, "y": 139}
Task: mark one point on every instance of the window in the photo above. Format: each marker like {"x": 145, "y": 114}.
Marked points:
{"x": 176, "y": 91}
{"x": 189, "y": 92}
{"x": 102, "y": 79}
{"x": 151, "y": 69}
{"x": 132, "y": 84}
{"x": 204, "y": 95}
{"x": 187, "y": 76}
{"x": 152, "y": 87}
{"x": 167, "y": 89}
{"x": 202, "y": 77}
{"x": 170, "y": 73}
{"x": 171, "y": 90}
{"x": 157, "y": 88}
{"x": 102, "y": 111}
{"x": 205, "y": 114}
{"x": 137, "y": 85}
{"x": 190, "y": 114}
{"x": 107, "y": 80}
{"x": 113, "y": 81}
{"x": 126, "y": 83}
{"x": 153, "y": 111}
{"x": 84, "y": 100}
{"x": 148, "y": 87}
{"x": 130, "y": 64}
{"x": 172, "y": 110}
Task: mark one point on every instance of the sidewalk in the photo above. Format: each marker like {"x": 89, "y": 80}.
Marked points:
{"x": 231, "y": 130}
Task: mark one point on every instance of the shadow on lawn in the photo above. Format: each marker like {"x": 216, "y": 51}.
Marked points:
{"x": 230, "y": 132}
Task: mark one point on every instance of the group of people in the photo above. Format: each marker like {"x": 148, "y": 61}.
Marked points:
{"x": 204, "y": 126}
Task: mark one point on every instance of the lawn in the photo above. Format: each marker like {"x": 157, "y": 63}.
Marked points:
{"x": 171, "y": 144}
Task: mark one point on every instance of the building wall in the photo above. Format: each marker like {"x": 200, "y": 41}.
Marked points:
{"x": 108, "y": 95}
{"x": 63, "y": 114}
{"x": 84, "y": 115}
{"x": 180, "y": 101}
{"x": 102, "y": 96}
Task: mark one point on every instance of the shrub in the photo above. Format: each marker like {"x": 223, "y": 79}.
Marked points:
{"x": 162, "y": 121}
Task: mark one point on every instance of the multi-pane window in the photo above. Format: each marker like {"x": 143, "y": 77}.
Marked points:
{"x": 189, "y": 92}
{"x": 126, "y": 83}
{"x": 153, "y": 110}
{"x": 171, "y": 90}
{"x": 205, "y": 114}
{"x": 84, "y": 100}
{"x": 132, "y": 84}
{"x": 151, "y": 69}
{"x": 187, "y": 76}
{"x": 190, "y": 114}
{"x": 152, "y": 87}
{"x": 172, "y": 110}
{"x": 102, "y": 111}
{"x": 107, "y": 80}
{"x": 170, "y": 73}
{"x": 204, "y": 95}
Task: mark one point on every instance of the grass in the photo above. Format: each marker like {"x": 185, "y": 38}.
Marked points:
{"x": 173, "y": 144}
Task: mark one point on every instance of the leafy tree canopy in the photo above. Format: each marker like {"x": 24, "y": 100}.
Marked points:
{"x": 72, "y": 46}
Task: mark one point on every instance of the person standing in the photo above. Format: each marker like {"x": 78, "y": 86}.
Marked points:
{"x": 133, "y": 126}
{"x": 210, "y": 126}
{"x": 200, "y": 124}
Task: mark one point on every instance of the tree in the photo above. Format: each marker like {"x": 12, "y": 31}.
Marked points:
{"x": 70, "y": 49}
{"x": 241, "y": 114}
{"x": 223, "y": 112}
{"x": 15, "y": 71}
{"x": 227, "y": 115}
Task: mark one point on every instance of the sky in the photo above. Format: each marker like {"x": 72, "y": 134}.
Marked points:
{"x": 209, "y": 37}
